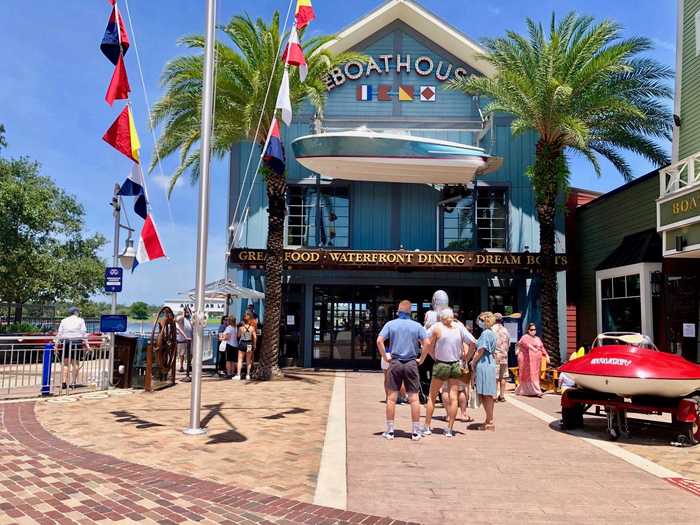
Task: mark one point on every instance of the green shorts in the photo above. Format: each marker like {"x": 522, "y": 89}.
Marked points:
{"x": 445, "y": 371}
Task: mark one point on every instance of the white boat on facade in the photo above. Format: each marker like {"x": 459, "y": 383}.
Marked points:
{"x": 364, "y": 155}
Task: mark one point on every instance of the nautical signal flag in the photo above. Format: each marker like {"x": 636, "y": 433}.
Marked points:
{"x": 273, "y": 157}
{"x": 119, "y": 85}
{"x": 122, "y": 135}
{"x": 405, "y": 93}
{"x": 284, "y": 102}
{"x": 294, "y": 55}
{"x": 364, "y": 92}
{"x": 304, "y": 13}
{"x": 134, "y": 186}
{"x": 384, "y": 92}
{"x": 150, "y": 247}
{"x": 115, "y": 41}
{"x": 427, "y": 93}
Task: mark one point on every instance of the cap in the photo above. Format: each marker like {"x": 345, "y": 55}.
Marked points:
{"x": 73, "y": 310}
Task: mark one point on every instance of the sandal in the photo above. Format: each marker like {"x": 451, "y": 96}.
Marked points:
{"x": 490, "y": 427}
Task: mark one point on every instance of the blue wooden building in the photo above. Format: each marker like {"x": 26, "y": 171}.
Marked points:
{"x": 358, "y": 247}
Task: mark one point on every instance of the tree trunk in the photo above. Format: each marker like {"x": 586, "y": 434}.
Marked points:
{"x": 549, "y": 172}
{"x": 18, "y": 313}
{"x": 274, "y": 261}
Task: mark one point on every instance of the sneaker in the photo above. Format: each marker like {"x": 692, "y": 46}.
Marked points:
{"x": 426, "y": 431}
{"x": 64, "y": 386}
{"x": 388, "y": 435}
{"x": 237, "y": 377}
{"x": 247, "y": 377}
{"x": 416, "y": 436}
{"x": 448, "y": 433}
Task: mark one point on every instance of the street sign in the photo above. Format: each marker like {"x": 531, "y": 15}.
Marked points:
{"x": 113, "y": 279}
{"x": 112, "y": 323}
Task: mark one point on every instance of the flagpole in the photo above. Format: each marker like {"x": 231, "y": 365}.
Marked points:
{"x": 203, "y": 221}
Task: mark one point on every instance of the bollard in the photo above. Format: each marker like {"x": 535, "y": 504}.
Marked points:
{"x": 46, "y": 370}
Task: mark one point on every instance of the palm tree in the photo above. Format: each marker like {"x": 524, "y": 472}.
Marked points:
{"x": 243, "y": 72}
{"x": 583, "y": 89}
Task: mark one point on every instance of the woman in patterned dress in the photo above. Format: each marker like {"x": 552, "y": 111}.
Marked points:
{"x": 484, "y": 364}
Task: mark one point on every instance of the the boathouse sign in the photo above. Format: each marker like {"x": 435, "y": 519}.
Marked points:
{"x": 397, "y": 260}
{"x": 423, "y": 66}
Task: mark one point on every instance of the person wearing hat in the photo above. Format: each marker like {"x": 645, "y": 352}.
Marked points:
{"x": 72, "y": 338}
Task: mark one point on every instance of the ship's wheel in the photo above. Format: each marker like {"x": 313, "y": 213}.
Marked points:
{"x": 164, "y": 339}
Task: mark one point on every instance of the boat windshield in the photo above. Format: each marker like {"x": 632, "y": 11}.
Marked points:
{"x": 625, "y": 339}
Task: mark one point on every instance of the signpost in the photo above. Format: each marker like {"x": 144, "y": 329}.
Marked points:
{"x": 113, "y": 279}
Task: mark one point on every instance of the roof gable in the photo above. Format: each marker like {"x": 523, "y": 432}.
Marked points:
{"x": 422, "y": 21}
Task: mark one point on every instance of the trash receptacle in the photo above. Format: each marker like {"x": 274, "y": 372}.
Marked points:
{"x": 124, "y": 350}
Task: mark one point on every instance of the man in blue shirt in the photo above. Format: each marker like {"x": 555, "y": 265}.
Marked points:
{"x": 406, "y": 337}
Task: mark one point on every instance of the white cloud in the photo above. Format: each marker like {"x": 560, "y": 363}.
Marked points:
{"x": 664, "y": 44}
{"x": 163, "y": 181}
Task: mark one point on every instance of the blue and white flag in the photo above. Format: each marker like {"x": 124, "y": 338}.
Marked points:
{"x": 134, "y": 187}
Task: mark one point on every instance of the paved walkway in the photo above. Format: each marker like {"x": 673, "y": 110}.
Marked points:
{"x": 249, "y": 424}
{"x": 45, "y": 480}
{"x": 273, "y": 448}
{"x": 523, "y": 473}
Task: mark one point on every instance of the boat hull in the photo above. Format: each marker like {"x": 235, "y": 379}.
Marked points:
{"x": 629, "y": 371}
{"x": 378, "y": 157}
{"x": 632, "y": 386}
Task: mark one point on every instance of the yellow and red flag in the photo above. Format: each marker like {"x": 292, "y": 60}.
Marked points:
{"x": 304, "y": 13}
{"x": 122, "y": 135}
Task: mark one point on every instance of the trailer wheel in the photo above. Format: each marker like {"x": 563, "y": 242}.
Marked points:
{"x": 691, "y": 431}
{"x": 572, "y": 417}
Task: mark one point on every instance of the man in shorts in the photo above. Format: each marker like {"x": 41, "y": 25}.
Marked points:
{"x": 502, "y": 347}
{"x": 406, "y": 337}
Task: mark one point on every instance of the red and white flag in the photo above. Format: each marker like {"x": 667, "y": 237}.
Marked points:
{"x": 150, "y": 247}
{"x": 294, "y": 54}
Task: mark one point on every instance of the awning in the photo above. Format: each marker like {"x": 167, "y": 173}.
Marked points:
{"x": 640, "y": 247}
{"x": 226, "y": 288}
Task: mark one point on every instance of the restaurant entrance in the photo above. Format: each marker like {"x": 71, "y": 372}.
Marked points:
{"x": 347, "y": 319}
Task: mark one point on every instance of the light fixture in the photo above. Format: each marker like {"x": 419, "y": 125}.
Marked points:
{"x": 128, "y": 256}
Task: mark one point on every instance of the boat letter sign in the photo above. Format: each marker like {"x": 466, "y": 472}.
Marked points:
{"x": 113, "y": 279}
{"x": 423, "y": 66}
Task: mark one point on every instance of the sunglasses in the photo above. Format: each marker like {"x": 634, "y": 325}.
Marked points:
{"x": 532, "y": 329}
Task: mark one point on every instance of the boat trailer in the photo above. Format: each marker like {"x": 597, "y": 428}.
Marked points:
{"x": 685, "y": 412}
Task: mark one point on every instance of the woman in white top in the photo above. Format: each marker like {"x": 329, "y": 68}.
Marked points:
{"x": 448, "y": 344}
{"x": 230, "y": 335}
{"x": 72, "y": 337}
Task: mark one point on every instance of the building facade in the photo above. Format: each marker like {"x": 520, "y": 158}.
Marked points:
{"x": 678, "y": 204}
{"x": 356, "y": 248}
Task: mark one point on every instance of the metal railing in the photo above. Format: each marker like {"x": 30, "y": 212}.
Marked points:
{"x": 680, "y": 175}
{"x": 37, "y": 365}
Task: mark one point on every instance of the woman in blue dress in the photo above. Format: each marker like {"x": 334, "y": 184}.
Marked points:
{"x": 484, "y": 366}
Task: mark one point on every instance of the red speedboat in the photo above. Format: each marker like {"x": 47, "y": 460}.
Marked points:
{"x": 625, "y": 372}
{"x": 629, "y": 365}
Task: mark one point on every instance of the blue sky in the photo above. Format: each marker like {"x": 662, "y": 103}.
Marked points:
{"x": 53, "y": 80}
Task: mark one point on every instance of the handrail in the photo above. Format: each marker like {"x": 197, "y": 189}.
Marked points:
{"x": 680, "y": 175}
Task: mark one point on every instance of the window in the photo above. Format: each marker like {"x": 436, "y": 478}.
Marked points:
{"x": 621, "y": 303}
{"x": 313, "y": 221}
{"x": 469, "y": 225}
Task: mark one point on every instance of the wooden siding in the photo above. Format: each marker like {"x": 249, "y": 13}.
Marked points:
{"x": 600, "y": 228}
{"x": 689, "y": 135}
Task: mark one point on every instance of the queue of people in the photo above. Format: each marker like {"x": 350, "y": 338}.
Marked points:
{"x": 463, "y": 365}
{"x": 238, "y": 343}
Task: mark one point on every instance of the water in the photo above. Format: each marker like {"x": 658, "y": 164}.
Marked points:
{"x": 135, "y": 327}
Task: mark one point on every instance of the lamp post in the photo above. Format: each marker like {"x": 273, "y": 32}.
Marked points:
{"x": 200, "y": 318}
{"x": 126, "y": 258}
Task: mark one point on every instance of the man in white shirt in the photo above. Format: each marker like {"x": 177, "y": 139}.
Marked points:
{"x": 72, "y": 339}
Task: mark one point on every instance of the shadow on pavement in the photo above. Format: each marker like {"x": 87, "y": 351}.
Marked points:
{"x": 228, "y": 436}
{"x": 290, "y": 412}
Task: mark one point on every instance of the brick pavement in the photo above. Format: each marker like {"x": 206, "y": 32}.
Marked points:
{"x": 522, "y": 473}
{"x": 245, "y": 422}
{"x": 46, "y": 480}
{"x": 650, "y": 437}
